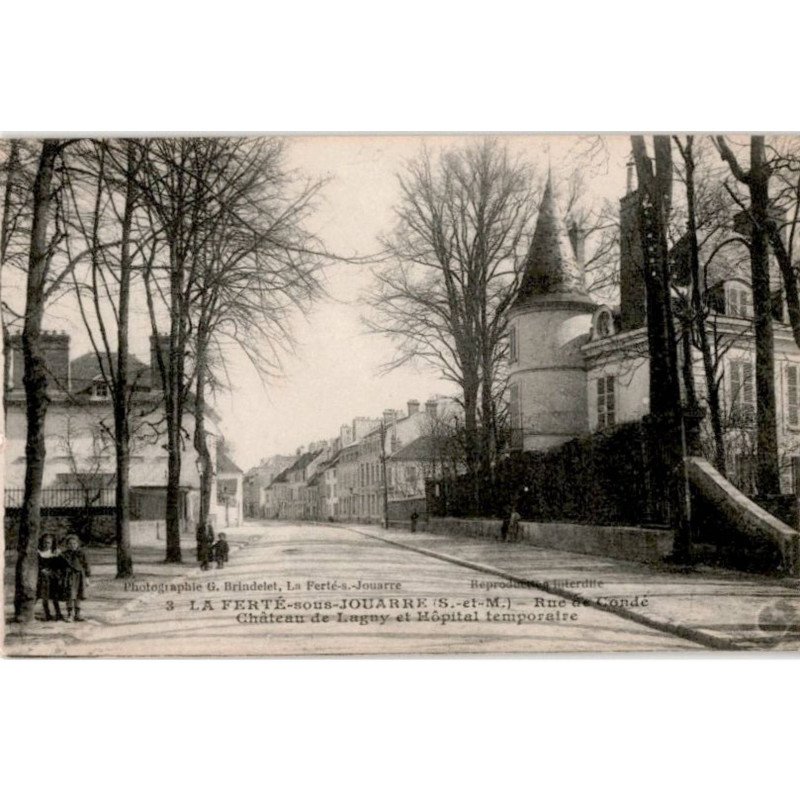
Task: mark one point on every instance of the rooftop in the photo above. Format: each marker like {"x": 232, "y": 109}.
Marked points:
{"x": 551, "y": 270}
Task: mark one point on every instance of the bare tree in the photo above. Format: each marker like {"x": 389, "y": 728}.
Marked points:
{"x": 698, "y": 307}
{"x": 257, "y": 267}
{"x": 179, "y": 186}
{"x": 756, "y": 180}
{"x": 42, "y": 281}
{"x": 454, "y": 264}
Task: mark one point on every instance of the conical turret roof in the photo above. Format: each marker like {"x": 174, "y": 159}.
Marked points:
{"x": 551, "y": 271}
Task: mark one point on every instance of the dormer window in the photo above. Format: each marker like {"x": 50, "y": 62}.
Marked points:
{"x": 603, "y": 323}
{"x": 100, "y": 390}
{"x": 738, "y": 302}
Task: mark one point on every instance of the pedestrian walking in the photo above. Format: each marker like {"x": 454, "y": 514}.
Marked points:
{"x": 219, "y": 550}
{"x": 76, "y": 571}
{"x": 49, "y": 579}
{"x": 414, "y": 518}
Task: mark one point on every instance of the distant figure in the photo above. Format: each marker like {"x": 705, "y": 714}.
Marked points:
{"x": 414, "y": 518}
{"x": 200, "y": 538}
{"x": 51, "y": 571}
{"x": 504, "y": 525}
{"x": 76, "y": 571}
{"x": 513, "y": 526}
{"x": 207, "y": 544}
{"x": 219, "y": 551}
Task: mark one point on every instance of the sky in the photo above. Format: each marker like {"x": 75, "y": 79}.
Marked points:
{"x": 335, "y": 373}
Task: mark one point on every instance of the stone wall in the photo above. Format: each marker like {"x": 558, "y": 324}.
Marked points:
{"x": 400, "y": 512}
{"x": 747, "y": 524}
{"x": 648, "y": 545}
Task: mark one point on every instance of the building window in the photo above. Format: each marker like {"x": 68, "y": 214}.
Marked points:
{"x": 606, "y": 402}
{"x": 739, "y": 302}
{"x": 743, "y": 398}
{"x": 100, "y": 390}
{"x": 793, "y": 395}
{"x": 512, "y": 344}
{"x": 411, "y": 475}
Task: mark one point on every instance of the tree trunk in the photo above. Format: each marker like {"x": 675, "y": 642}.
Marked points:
{"x": 768, "y": 475}
{"x": 11, "y": 168}
{"x": 489, "y": 444}
{"x": 174, "y": 406}
{"x": 121, "y": 393}
{"x": 471, "y": 444}
{"x": 201, "y": 443}
{"x": 665, "y": 401}
{"x": 35, "y": 382}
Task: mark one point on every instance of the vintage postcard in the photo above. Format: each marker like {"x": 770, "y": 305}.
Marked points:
{"x": 400, "y": 395}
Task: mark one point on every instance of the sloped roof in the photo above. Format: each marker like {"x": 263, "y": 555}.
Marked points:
{"x": 420, "y": 449}
{"x": 224, "y": 464}
{"x": 550, "y": 267}
{"x": 281, "y": 477}
{"x": 85, "y": 371}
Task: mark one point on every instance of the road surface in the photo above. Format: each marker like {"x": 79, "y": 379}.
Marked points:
{"x": 293, "y": 589}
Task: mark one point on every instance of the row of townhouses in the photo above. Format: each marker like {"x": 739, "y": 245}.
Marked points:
{"x": 373, "y": 460}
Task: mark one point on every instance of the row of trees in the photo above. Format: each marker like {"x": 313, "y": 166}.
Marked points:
{"x": 204, "y": 239}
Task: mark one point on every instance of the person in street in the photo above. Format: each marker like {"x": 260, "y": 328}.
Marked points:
{"x": 513, "y": 526}
{"x": 208, "y": 547}
{"x": 76, "y": 571}
{"x": 200, "y": 538}
{"x": 504, "y": 526}
{"x": 51, "y": 570}
{"x": 414, "y": 518}
{"x": 219, "y": 551}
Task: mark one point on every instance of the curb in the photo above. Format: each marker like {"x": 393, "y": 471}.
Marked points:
{"x": 709, "y": 640}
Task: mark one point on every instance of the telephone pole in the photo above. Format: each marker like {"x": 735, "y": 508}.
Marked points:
{"x": 384, "y": 477}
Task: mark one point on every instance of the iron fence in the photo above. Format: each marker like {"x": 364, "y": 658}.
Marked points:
{"x": 64, "y": 497}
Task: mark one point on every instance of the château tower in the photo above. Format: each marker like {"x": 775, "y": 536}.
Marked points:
{"x": 549, "y": 321}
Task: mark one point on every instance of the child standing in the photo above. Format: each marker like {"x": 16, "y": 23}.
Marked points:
{"x": 51, "y": 566}
{"x": 76, "y": 571}
{"x": 220, "y": 551}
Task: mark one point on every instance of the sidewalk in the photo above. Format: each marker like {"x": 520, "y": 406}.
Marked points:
{"x": 108, "y": 599}
{"x": 716, "y": 608}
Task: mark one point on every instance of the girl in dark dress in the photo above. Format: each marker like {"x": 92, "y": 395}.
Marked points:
{"x": 51, "y": 568}
{"x": 76, "y": 571}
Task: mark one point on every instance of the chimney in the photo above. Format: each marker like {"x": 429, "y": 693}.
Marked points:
{"x": 431, "y": 407}
{"x": 633, "y": 297}
{"x": 413, "y": 407}
{"x": 577, "y": 237}
{"x": 155, "y": 372}
{"x": 389, "y": 417}
{"x": 55, "y": 351}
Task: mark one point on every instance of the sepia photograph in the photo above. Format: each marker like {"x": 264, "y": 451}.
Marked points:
{"x": 400, "y": 394}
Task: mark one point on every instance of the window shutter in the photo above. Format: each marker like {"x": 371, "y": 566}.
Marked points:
{"x": 793, "y": 398}
{"x": 749, "y": 394}
{"x": 736, "y": 386}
